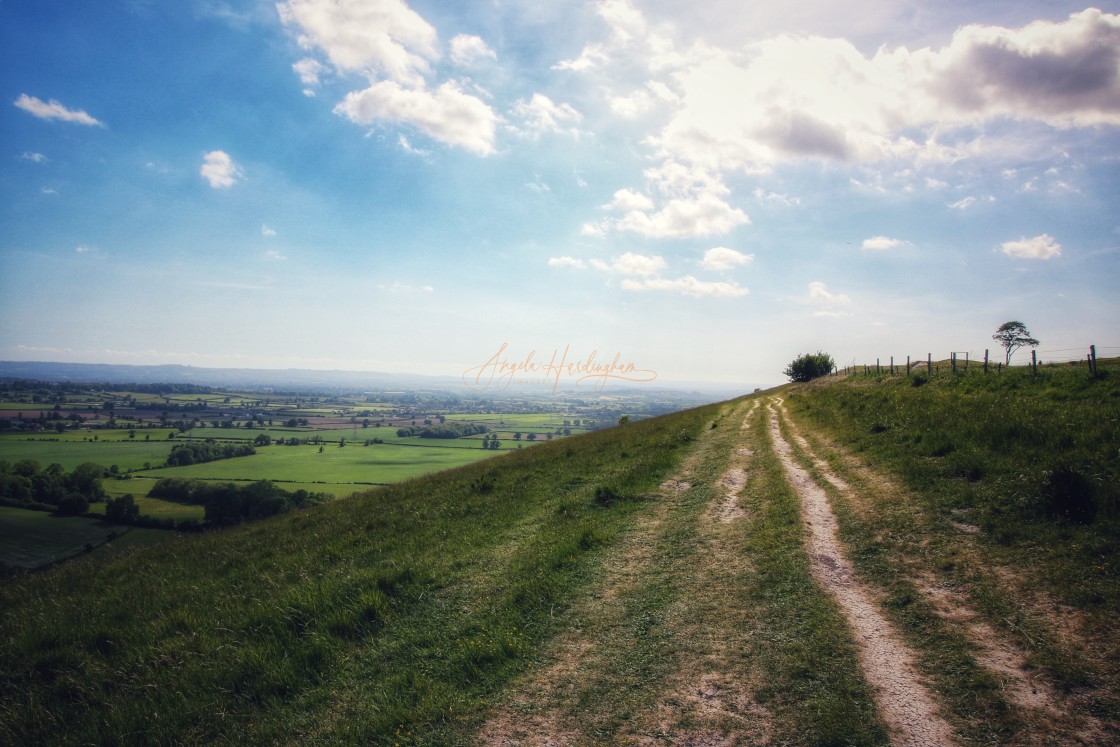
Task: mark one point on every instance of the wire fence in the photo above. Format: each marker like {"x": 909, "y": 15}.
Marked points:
{"x": 957, "y": 361}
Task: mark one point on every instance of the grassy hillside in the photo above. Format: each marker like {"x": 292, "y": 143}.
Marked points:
{"x": 404, "y": 606}
{"x": 1032, "y": 460}
{"x": 567, "y": 582}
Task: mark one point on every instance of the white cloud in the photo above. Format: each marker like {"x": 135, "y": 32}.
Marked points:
{"x": 220, "y": 170}
{"x": 963, "y": 204}
{"x": 267, "y": 232}
{"x": 393, "y": 47}
{"x": 882, "y": 243}
{"x": 1039, "y": 247}
{"x": 446, "y": 114}
{"x": 309, "y": 70}
{"x": 795, "y": 98}
{"x": 578, "y": 264}
{"x": 34, "y": 157}
{"x": 687, "y": 285}
{"x": 48, "y": 191}
{"x": 592, "y": 56}
{"x": 467, "y": 49}
{"x": 54, "y": 110}
{"x": 701, "y": 215}
{"x": 82, "y": 249}
{"x": 378, "y": 37}
{"x": 540, "y": 115}
{"x": 274, "y": 255}
{"x": 774, "y": 198}
{"x": 638, "y": 264}
{"x": 722, "y": 258}
{"x": 820, "y": 294}
{"x": 625, "y": 200}
{"x": 408, "y": 147}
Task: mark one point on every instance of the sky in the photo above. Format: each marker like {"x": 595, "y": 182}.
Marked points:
{"x": 697, "y": 191}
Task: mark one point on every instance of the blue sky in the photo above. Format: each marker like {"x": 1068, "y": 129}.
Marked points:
{"x": 705, "y": 190}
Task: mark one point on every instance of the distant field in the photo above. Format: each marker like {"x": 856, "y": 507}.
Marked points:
{"x": 382, "y": 463}
{"x": 30, "y": 539}
{"x": 124, "y": 454}
{"x": 155, "y": 507}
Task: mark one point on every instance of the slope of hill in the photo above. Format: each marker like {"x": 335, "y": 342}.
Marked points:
{"x": 686, "y": 579}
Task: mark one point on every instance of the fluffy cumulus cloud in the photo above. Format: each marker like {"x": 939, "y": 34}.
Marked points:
{"x": 446, "y": 114}
{"x": 220, "y": 170}
{"x": 643, "y": 273}
{"x": 722, "y": 258}
{"x": 468, "y": 50}
{"x": 54, "y": 110}
{"x": 795, "y": 98}
{"x": 393, "y": 48}
{"x": 882, "y": 243}
{"x": 686, "y": 285}
{"x": 1039, "y": 247}
{"x": 540, "y": 115}
{"x": 821, "y": 295}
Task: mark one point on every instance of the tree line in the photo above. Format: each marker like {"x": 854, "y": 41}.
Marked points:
{"x": 446, "y": 430}
{"x": 28, "y": 485}
{"x": 226, "y": 504}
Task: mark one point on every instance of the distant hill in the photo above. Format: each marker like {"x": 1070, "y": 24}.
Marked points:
{"x": 312, "y": 379}
{"x": 231, "y": 377}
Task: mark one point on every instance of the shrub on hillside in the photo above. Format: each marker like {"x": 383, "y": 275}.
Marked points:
{"x": 809, "y": 366}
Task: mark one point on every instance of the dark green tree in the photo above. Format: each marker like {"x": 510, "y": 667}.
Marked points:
{"x": 809, "y": 366}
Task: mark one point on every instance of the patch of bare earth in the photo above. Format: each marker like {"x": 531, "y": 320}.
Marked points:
{"x": 1053, "y": 717}
{"x": 734, "y": 480}
{"x": 906, "y": 706}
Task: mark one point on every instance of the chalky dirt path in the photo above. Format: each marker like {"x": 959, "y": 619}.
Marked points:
{"x": 657, "y": 653}
{"x": 664, "y": 647}
{"x": 906, "y": 706}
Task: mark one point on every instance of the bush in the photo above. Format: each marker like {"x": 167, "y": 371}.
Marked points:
{"x": 73, "y": 504}
{"x": 809, "y": 366}
{"x": 1069, "y": 495}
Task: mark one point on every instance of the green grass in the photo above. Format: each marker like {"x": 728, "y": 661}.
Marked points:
{"x": 985, "y": 449}
{"x": 982, "y": 451}
{"x": 355, "y": 464}
{"x": 408, "y": 607}
{"x": 126, "y": 455}
{"x": 31, "y": 539}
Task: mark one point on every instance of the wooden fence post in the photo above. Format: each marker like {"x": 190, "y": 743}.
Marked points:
{"x": 985, "y": 360}
{"x": 953, "y": 362}
{"x": 929, "y": 363}
{"x": 878, "y": 370}
{"x": 1093, "y": 359}
{"x": 892, "y": 365}
{"x": 1034, "y": 362}
{"x": 907, "y": 366}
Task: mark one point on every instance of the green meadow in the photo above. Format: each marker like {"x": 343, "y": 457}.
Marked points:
{"x": 31, "y": 539}
{"x": 127, "y": 455}
{"x": 375, "y": 464}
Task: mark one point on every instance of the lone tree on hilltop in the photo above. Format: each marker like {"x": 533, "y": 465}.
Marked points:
{"x": 809, "y": 366}
{"x": 1014, "y": 335}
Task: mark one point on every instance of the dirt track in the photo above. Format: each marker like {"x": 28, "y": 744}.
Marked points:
{"x": 888, "y": 663}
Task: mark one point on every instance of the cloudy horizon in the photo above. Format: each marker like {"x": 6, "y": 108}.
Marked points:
{"x": 706, "y": 190}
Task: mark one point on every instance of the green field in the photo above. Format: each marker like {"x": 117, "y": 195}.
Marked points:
{"x": 125, "y": 454}
{"x": 372, "y": 465}
{"x": 31, "y": 539}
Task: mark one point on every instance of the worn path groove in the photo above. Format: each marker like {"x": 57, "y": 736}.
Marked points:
{"x": 905, "y": 704}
